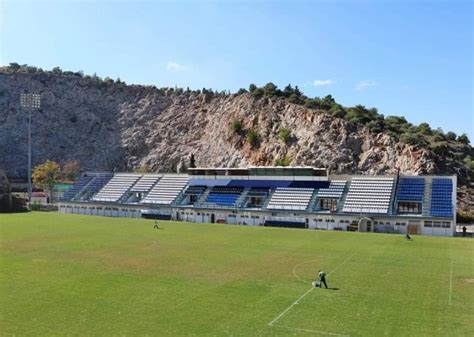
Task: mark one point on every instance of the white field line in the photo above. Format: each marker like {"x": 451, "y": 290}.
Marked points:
{"x": 291, "y": 306}
{"x": 306, "y": 293}
{"x": 300, "y": 264}
{"x": 450, "y": 284}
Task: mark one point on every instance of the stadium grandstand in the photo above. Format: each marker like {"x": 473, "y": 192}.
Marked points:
{"x": 297, "y": 197}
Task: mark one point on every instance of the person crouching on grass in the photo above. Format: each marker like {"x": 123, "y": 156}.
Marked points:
{"x": 321, "y": 280}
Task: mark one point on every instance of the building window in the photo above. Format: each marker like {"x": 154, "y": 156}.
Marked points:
{"x": 428, "y": 223}
{"x": 409, "y": 207}
{"x": 328, "y": 204}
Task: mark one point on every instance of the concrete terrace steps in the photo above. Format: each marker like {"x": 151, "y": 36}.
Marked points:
{"x": 369, "y": 195}
{"x": 99, "y": 180}
{"x": 289, "y": 198}
{"x": 166, "y": 190}
{"x": 426, "y": 206}
{"x": 117, "y": 187}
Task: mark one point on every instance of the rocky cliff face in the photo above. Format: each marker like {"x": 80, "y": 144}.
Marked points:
{"x": 109, "y": 126}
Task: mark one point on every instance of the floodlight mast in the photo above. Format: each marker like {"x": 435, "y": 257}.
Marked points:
{"x": 29, "y": 102}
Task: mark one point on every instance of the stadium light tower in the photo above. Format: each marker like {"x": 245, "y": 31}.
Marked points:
{"x": 30, "y": 102}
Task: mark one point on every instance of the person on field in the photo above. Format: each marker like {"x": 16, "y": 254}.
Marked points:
{"x": 156, "y": 225}
{"x": 408, "y": 237}
{"x": 322, "y": 279}
{"x": 464, "y": 230}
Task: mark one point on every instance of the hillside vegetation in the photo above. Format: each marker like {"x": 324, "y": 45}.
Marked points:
{"x": 106, "y": 124}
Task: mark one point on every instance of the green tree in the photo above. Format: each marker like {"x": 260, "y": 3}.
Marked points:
{"x": 451, "y": 136}
{"x": 295, "y": 98}
{"x": 438, "y": 135}
{"x": 440, "y": 148}
{"x": 396, "y": 124}
{"x": 288, "y": 91}
{"x": 14, "y": 66}
{"x": 327, "y": 102}
{"x": 252, "y": 88}
{"x": 46, "y": 175}
{"x": 297, "y": 91}
{"x": 413, "y": 138}
{"x": 463, "y": 138}
{"x": 360, "y": 114}
{"x": 56, "y": 71}
{"x": 424, "y": 129}
{"x": 241, "y": 91}
{"x": 312, "y": 103}
{"x": 375, "y": 126}
{"x": 337, "y": 111}
{"x": 259, "y": 92}
{"x": 469, "y": 163}
{"x": 270, "y": 89}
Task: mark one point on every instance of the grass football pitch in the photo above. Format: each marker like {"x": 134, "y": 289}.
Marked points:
{"x": 71, "y": 275}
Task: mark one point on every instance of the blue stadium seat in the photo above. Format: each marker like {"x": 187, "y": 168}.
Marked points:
{"x": 224, "y": 196}
{"x": 441, "y": 197}
{"x": 411, "y": 189}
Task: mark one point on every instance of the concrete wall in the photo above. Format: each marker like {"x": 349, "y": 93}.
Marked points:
{"x": 387, "y": 224}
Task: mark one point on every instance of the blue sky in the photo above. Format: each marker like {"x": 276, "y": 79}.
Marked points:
{"x": 410, "y": 58}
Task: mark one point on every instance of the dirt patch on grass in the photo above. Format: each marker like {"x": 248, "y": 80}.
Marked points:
{"x": 469, "y": 280}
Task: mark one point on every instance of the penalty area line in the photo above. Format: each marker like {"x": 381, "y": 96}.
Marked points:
{"x": 272, "y": 323}
{"x": 291, "y": 306}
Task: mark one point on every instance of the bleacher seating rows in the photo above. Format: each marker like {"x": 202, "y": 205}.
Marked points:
{"x": 291, "y": 198}
{"x": 222, "y": 199}
{"x": 196, "y": 190}
{"x": 78, "y": 185}
{"x": 224, "y": 196}
{"x": 225, "y": 189}
{"x": 441, "y": 197}
{"x": 88, "y": 183}
{"x": 145, "y": 183}
{"x": 166, "y": 190}
{"x": 335, "y": 190}
{"x": 98, "y": 182}
{"x": 369, "y": 195}
{"x": 116, "y": 187}
{"x": 411, "y": 189}
{"x": 364, "y": 195}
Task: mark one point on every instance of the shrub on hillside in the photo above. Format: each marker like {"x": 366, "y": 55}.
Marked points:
{"x": 284, "y": 134}
{"x": 283, "y": 162}
{"x": 252, "y": 138}
{"x": 237, "y": 126}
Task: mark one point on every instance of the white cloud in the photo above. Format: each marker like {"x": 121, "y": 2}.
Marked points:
{"x": 175, "y": 66}
{"x": 362, "y": 85}
{"x": 318, "y": 83}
